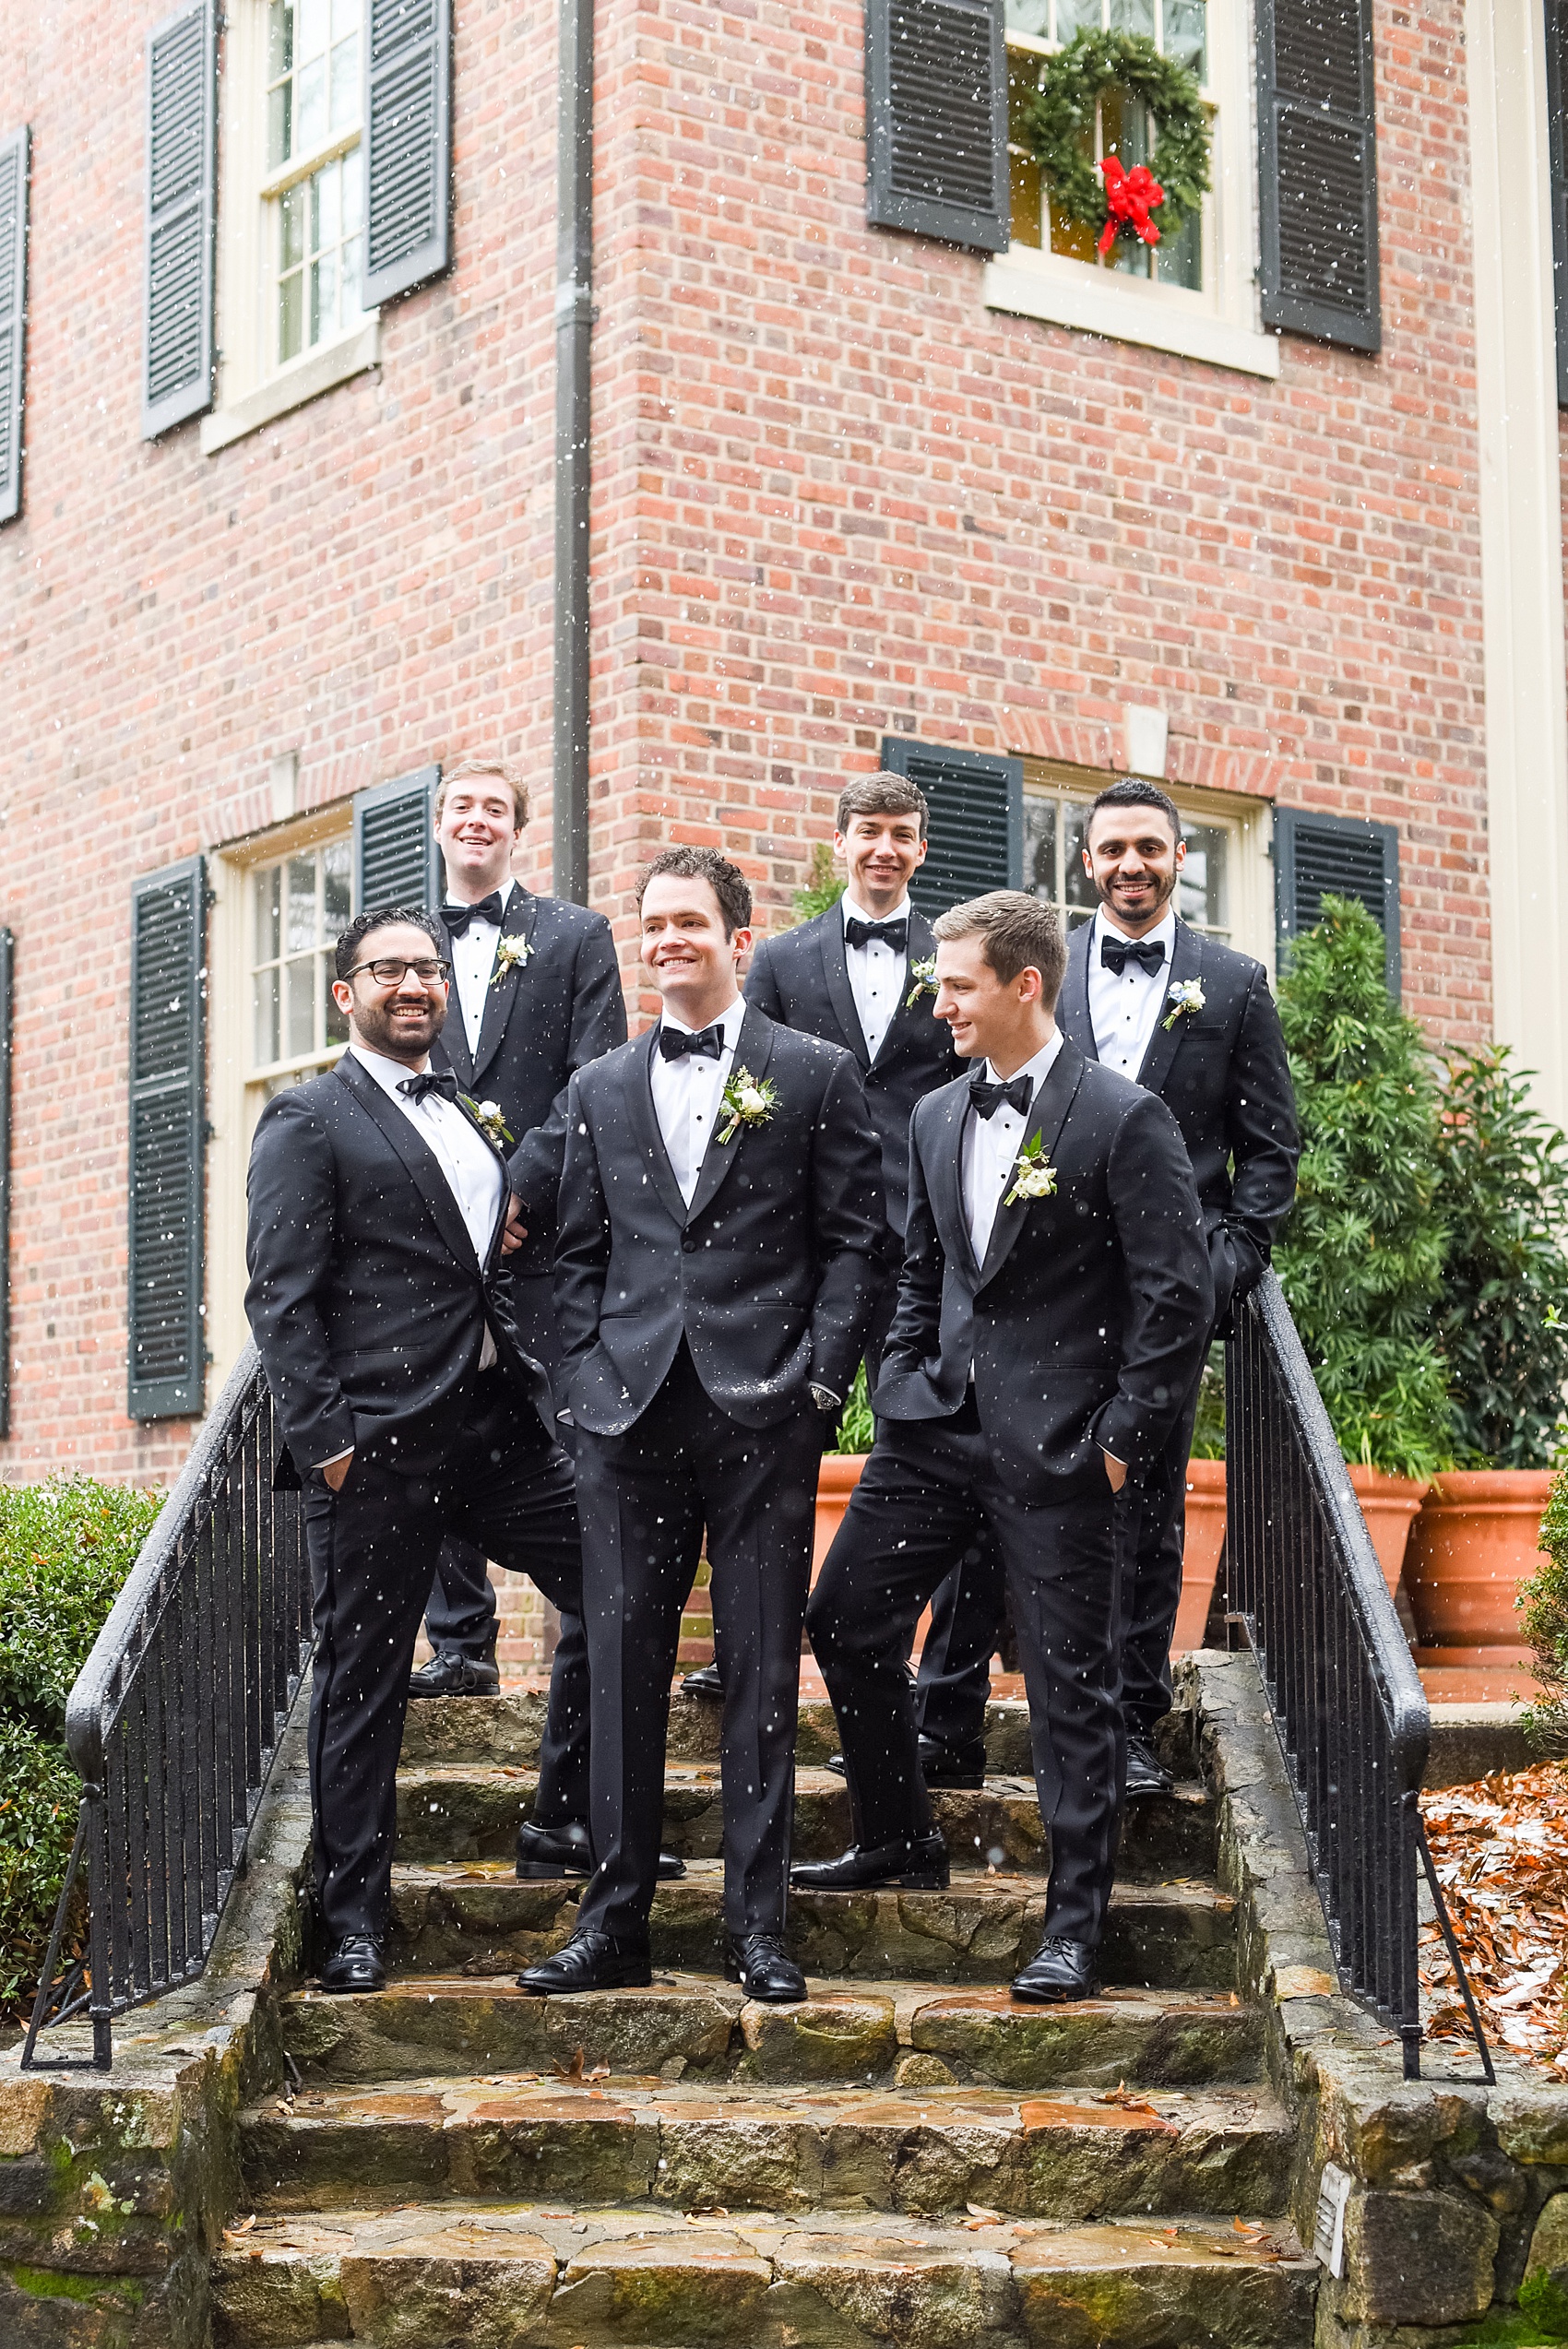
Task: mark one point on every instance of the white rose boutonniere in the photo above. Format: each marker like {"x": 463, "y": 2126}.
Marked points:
{"x": 1034, "y": 1177}
{"x": 511, "y": 953}
{"x": 487, "y": 1116}
{"x": 924, "y": 976}
{"x": 746, "y": 1102}
{"x": 1185, "y": 997}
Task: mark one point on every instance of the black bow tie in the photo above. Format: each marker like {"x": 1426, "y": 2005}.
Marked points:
{"x": 865, "y": 934}
{"x": 440, "y": 1081}
{"x": 458, "y": 918}
{"x": 987, "y": 1096}
{"x": 675, "y": 1043}
{"x": 1117, "y": 953}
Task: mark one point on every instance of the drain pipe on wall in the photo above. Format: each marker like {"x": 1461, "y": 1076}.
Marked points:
{"x": 573, "y": 329}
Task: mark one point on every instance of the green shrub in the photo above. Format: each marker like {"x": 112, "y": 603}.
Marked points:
{"x": 1208, "y": 1430}
{"x": 856, "y": 1427}
{"x": 1362, "y": 1255}
{"x": 1543, "y": 1619}
{"x": 823, "y": 887}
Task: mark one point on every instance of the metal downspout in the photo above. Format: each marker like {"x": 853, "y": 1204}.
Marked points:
{"x": 573, "y": 327}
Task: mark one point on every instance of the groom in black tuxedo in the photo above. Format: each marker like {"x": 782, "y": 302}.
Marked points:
{"x": 1052, "y": 1313}
{"x": 410, "y": 1405}
{"x": 1192, "y": 1021}
{"x": 721, "y": 1241}
{"x": 536, "y": 994}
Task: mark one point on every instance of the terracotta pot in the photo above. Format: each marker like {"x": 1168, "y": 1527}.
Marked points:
{"x": 839, "y": 1475}
{"x": 1200, "y": 1554}
{"x": 1389, "y": 1505}
{"x": 1474, "y": 1544}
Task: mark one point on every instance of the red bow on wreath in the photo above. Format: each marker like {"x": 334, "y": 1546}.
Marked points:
{"x": 1129, "y": 195}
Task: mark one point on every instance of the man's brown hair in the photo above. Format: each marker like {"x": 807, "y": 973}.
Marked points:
{"x": 1018, "y": 932}
{"x": 472, "y": 770}
{"x": 727, "y": 882}
{"x": 881, "y": 795}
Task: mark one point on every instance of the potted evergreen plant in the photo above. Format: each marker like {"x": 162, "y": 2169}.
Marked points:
{"x": 1360, "y": 1258}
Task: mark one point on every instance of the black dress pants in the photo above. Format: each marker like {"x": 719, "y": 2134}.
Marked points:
{"x": 373, "y": 1549}
{"x": 646, "y": 1498}
{"x": 928, "y": 1494}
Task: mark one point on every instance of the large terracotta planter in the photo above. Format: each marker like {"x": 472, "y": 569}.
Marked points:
{"x": 1474, "y": 1543}
{"x": 839, "y": 1475}
{"x": 1389, "y": 1505}
{"x": 1200, "y": 1554}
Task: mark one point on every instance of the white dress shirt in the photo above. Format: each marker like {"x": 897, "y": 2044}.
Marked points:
{"x": 473, "y": 965}
{"x": 990, "y": 1148}
{"x": 686, "y": 1095}
{"x": 878, "y": 976}
{"x": 1124, "y": 1007}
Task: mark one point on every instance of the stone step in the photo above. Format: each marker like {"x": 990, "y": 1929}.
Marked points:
{"x": 466, "y": 1811}
{"x": 536, "y": 2278}
{"x": 480, "y": 1919}
{"x": 1070, "y": 2156}
{"x": 696, "y": 2029}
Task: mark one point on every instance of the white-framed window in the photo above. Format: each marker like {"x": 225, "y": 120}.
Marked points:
{"x": 297, "y": 906}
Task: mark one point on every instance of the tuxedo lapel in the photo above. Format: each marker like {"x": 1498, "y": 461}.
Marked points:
{"x": 501, "y": 990}
{"x": 944, "y": 1182}
{"x": 1048, "y": 1115}
{"x": 835, "y": 978}
{"x": 644, "y": 1119}
{"x": 908, "y": 1019}
{"x": 754, "y": 1049}
{"x": 1073, "y": 1014}
{"x": 1186, "y": 961}
{"x": 424, "y": 1167}
{"x": 453, "y": 1042}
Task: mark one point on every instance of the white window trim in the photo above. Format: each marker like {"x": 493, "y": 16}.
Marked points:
{"x": 250, "y": 391}
{"x": 1220, "y": 324}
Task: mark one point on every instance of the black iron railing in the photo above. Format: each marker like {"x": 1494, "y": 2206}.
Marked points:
{"x": 1304, "y": 1583}
{"x": 176, "y": 1719}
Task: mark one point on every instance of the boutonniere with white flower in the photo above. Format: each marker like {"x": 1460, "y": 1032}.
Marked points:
{"x": 924, "y": 976}
{"x": 1186, "y": 998}
{"x": 511, "y": 953}
{"x": 746, "y": 1102}
{"x": 487, "y": 1116}
{"x": 1034, "y": 1177}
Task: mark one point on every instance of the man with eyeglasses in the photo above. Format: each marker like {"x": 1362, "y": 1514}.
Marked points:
{"x": 411, "y": 1406}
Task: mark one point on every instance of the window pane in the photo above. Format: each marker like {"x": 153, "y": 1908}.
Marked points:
{"x": 265, "y": 1000}
{"x": 1031, "y": 16}
{"x": 266, "y": 887}
{"x": 302, "y": 1005}
{"x": 1179, "y": 259}
{"x": 353, "y": 169}
{"x": 327, "y": 206}
{"x": 345, "y": 108}
{"x": 1078, "y": 889}
{"x": 313, "y": 16}
{"x": 337, "y": 1026}
{"x": 1201, "y": 888}
{"x": 336, "y": 900}
{"x": 1040, "y": 846}
{"x": 289, "y": 317}
{"x": 1132, "y": 15}
{"x": 302, "y": 929}
{"x": 280, "y": 123}
{"x": 1077, "y": 16}
{"x": 310, "y": 105}
{"x": 280, "y": 39}
{"x": 345, "y": 16}
{"x": 1186, "y": 33}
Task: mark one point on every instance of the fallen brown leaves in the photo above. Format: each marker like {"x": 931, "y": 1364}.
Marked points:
{"x": 1500, "y": 1850}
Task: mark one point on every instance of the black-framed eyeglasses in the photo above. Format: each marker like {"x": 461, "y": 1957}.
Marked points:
{"x": 391, "y": 970}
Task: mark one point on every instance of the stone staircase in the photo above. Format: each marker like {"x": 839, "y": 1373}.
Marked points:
{"x": 907, "y": 2158}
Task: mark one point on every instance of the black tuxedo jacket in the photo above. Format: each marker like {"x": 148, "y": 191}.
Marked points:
{"x": 1088, "y": 1321}
{"x": 801, "y": 979}
{"x": 543, "y": 1020}
{"x": 770, "y": 1274}
{"x": 1224, "y": 1075}
{"x": 366, "y": 1299}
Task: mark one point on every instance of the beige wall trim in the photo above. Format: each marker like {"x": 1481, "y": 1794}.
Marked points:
{"x": 1521, "y": 518}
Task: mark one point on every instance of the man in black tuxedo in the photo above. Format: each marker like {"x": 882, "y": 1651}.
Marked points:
{"x": 410, "y": 1405}
{"x": 857, "y": 977}
{"x": 538, "y": 995}
{"x": 1052, "y": 1313}
{"x": 720, "y": 1242}
{"x": 1193, "y": 1021}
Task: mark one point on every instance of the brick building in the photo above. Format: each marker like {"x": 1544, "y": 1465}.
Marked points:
{"x": 887, "y": 466}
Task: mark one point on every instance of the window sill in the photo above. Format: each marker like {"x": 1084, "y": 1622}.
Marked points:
{"x": 333, "y": 363}
{"x": 1095, "y": 304}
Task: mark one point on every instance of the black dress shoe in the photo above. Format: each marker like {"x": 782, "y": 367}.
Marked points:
{"x": 759, "y": 1962}
{"x": 590, "y": 1961}
{"x": 705, "y": 1683}
{"x": 952, "y": 1765}
{"x": 353, "y": 1963}
{"x": 1058, "y": 1970}
{"x": 916, "y": 1865}
{"x": 450, "y": 1673}
{"x": 554, "y": 1852}
{"x": 1146, "y": 1774}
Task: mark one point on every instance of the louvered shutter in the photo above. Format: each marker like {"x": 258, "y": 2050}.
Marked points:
{"x": 407, "y": 137}
{"x": 936, "y": 120}
{"x": 395, "y": 861}
{"x": 182, "y": 108}
{"x": 166, "y": 1332}
{"x": 1317, "y": 170}
{"x": 7, "y": 967}
{"x": 13, "y": 316}
{"x": 1331, "y": 856}
{"x": 975, "y": 839}
{"x": 1557, "y": 130}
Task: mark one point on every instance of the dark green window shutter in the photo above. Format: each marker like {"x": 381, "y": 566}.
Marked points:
{"x": 167, "y": 1333}
{"x": 182, "y": 140}
{"x": 13, "y": 316}
{"x": 1335, "y": 856}
{"x": 1317, "y": 170}
{"x": 976, "y": 834}
{"x": 395, "y": 859}
{"x": 408, "y": 137}
{"x": 936, "y": 120}
{"x": 7, "y": 969}
{"x": 1557, "y": 130}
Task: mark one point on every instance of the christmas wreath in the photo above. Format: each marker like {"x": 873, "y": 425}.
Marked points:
{"x": 1059, "y": 123}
